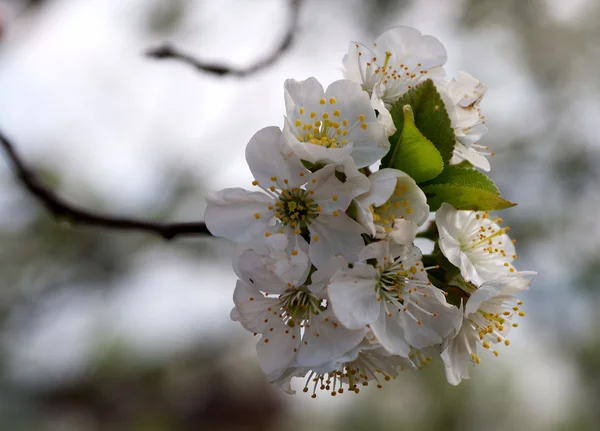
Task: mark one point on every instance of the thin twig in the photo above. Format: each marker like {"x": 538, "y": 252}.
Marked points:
{"x": 167, "y": 51}
{"x": 76, "y": 215}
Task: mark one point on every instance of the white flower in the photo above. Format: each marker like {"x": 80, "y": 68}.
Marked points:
{"x": 462, "y": 97}
{"x": 293, "y": 201}
{"x": 296, "y": 326}
{"x": 400, "y": 58}
{"x": 474, "y": 243}
{"x": 488, "y": 316}
{"x": 388, "y": 290}
{"x": 325, "y": 126}
{"x": 393, "y": 196}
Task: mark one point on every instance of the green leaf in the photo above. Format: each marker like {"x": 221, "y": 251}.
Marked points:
{"x": 431, "y": 118}
{"x": 461, "y": 176}
{"x": 414, "y": 154}
{"x": 464, "y": 189}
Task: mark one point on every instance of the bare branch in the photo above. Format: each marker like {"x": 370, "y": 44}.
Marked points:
{"x": 76, "y": 215}
{"x": 167, "y": 51}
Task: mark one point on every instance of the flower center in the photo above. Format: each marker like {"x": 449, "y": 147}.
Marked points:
{"x": 326, "y": 127}
{"x": 296, "y": 208}
{"x": 492, "y": 324}
{"x": 483, "y": 240}
{"x": 298, "y": 305}
{"x": 398, "y": 286}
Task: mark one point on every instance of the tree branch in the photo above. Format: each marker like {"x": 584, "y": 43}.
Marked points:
{"x": 167, "y": 51}
{"x": 76, "y": 215}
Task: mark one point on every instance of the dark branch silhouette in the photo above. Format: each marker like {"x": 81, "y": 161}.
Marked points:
{"x": 62, "y": 209}
{"x": 167, "y": 51}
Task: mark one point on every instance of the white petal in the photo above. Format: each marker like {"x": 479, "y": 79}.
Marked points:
{"x": 327, "y": 340}
{"x": 354, "y": 64}
{"x": 320, "y": 278}
{"x": 383, "y": 183}
{"x": 447, "y": 221}
{"x": 232, "y": 214}
{"x": 268, "y": 158}
{"x": 437, "y": 318}
{"x": 407, "y": 201}
{"x": 457, "y": 356}
{"x": 504, "y": 285}
{"x": 330, "y": 192}
{"x": 384, "y": 117}
{"x": 252, "y": 308}
{"x": 254, "y": 270}
{"x": 376, "y": 250}
{"x": 352, "y": 296}
{"x": 277, "y": 348}
{"x": 410, "y": 47}
{"x": 470, "y": 155}
{"x": 390, "y": 334}
{"x": 403, "y": 232}
{"x": 300, "y": 93}
{"x": 332, "y": 235}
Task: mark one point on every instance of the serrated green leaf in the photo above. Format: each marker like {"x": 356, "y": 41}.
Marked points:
{"x": 431, "y": 118}
{"x": 465, "y": 164}
{"x": 414, "y": 154}
{"x": 464, "y": 197}
{"x": 467, "y": 177}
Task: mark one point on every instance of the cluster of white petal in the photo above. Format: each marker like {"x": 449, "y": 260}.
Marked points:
{"x": 329, "y": 276}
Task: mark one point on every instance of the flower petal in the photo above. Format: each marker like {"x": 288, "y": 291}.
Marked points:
{"x": 332, "y": 235}
{"x": 410, "y": 47}
{"x": 252, "y": 308}
{"x": 271, "y": 162}
{"x": 327, "y": 340}
{"x": 277, "y": 348}
{"x": 457, "y": 356}
{"x": 352, "y": 296}
{"x": 237, "y": 214}
{"x": 390, "y": 334}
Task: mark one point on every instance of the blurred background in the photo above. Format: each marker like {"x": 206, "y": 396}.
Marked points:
{"x": 104, "y": 330}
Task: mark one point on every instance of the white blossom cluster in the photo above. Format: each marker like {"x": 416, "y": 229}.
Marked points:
{"x": 329, "y": 276}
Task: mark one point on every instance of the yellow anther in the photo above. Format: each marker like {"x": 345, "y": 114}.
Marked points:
{"x": 363, "y": 126}
{"x": 332, "y": 101}
{"x": 336, "y": 113}
{"x": 322, "y": 101}
{"x": 298, "y": 123}
{"x": 272, "y": 188}
{"x": 254, "y": 183}
{"x": 336, "y": 213}
{"x": 273, "y": 178}
{"x": 325, "y": 115}
{"x": 313, "y": 114}
{"x": 316, "y": 238}
{"x": 294, "y": 252}
{"x": 521, "y": 313}
{"x": 301, "y": 110}
{"x": 507, "y": 342}
{"x": 361, "y": 117}
{"x": 318, "y": 123}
